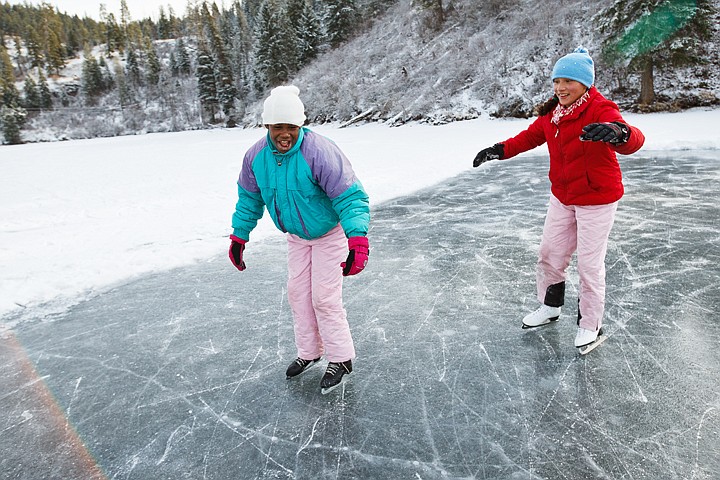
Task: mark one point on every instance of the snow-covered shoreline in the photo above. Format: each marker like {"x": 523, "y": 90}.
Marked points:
{"x": 79, "y": 216}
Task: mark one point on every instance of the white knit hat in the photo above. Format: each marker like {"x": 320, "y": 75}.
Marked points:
{"x": 284, "y": 106}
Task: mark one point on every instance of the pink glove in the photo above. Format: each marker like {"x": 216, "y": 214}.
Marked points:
{"x": 358, "y": 256}
{"x": 237, "y": 246}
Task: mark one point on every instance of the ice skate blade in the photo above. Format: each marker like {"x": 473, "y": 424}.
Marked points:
{"x": 589, "y": 348}
{"x": 327, "y": 390}
{"x": 549, "y": 321}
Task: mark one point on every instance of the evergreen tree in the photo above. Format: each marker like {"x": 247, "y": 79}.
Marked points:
{"x": 276, "y": 53}
{"x": 153, "y": 64}
{"x": 92, "y": 80}
{"x": 125, "y": 96}
{"x": 225, "y": 90}
{"x": 224, "y": 81}
{"x": 307, "y": 28}
{"x": 240, "y": 49}
{"x": 205, "y": 73}
{"x": 227, "y": 25}
{"x": 265, "y": 30}
{"x": 54, "y": 37}
{"x": 12, "y": 115}
{"x": 77, "y": 36}
{"x": 114, "y": 38}
{"x": 174, "y": 71}
{"x": 646, "y": 34}
{"x": 8, "y": 92}
{"x": 251, "y": 8}
{"x": 341, "y": 18}
{"x": 132, "y": 66}
{"x": 125, "y": 22}
{"x": 44, "y": 91}
{"x": 32, "y": 96}
{"x": 19, "y": 60}
{"x": 134, "y": 37}
{"x": 12, "y": 120}
{"x": 173, "y": 24}
{"x": 163, "y": 25}
{"x": 225, "y": 85}
{"x": 182, "y": 58}
{"x": 55, "y": 53}
{"x": 108, "y": 82}
{"x": 34, "y": 48}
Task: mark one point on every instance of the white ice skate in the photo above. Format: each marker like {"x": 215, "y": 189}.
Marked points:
{"x": 586, "y": 340}
{"x": 542, "y": 316}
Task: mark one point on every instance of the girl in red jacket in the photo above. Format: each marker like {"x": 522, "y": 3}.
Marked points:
{"x": 583, "y": 131}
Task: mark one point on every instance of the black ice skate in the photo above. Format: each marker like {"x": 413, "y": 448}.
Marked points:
{"x": 299, "y": 365}
{"x": 334, "y": 376}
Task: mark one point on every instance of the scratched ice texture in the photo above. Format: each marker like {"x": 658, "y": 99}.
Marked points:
{"x": 181, "y": 374}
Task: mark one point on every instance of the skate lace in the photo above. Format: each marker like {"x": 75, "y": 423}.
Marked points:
{"x": 302, "y": 362}
{"x": 333, "y": 368}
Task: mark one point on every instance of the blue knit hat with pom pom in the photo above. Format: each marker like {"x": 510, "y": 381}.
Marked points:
{"x": 576, "y": 66}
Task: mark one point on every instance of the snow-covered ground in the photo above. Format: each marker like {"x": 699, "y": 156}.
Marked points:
{"x": 77, "y": 217}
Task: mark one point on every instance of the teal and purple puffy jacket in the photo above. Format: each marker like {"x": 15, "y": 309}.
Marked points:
{"x": 307, "y": 191}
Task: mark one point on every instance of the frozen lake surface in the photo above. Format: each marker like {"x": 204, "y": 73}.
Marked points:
{"x": 181, "y": 374}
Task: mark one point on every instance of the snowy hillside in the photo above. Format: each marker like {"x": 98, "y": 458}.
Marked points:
{"x": 490, "y": 58}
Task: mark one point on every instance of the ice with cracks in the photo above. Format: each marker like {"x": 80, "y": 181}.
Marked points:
{"x": 180, "y": 374}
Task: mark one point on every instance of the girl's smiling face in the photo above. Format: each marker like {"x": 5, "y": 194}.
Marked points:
{"x": 568, "y": 90}
{"x": 284, "y": 136}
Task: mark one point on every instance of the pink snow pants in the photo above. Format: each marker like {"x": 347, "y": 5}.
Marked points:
{"x": 585, "y": 229}
{"x": 315, "y": 296}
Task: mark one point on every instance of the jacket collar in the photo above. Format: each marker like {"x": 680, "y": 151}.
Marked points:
{"x": 576, "y": 108}
{"x": 295, "y": 148}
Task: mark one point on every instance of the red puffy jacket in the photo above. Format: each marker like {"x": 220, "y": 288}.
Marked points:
{"x": 581, "y": 173}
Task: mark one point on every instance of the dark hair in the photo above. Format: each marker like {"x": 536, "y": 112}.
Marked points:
{"x": 548, "y": 106}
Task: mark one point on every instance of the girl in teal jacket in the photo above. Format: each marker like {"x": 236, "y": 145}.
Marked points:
{"x": 311, "y": 192}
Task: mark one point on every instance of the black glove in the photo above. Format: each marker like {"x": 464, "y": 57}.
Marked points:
{"x": 613, "y": 133}
{"x": 492, "y": 153}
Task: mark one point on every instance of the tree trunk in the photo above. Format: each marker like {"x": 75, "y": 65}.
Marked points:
{"x": 440, "y": 12}
{"x": 647, "y": 84}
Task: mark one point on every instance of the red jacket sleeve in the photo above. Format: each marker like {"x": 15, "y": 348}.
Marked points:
{"x": 532, "y": 137}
